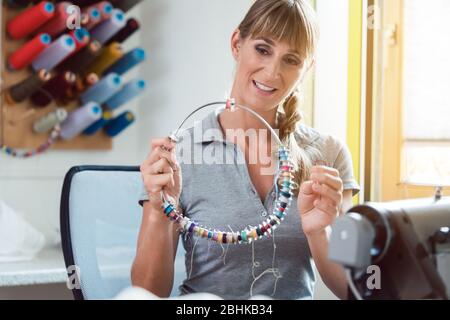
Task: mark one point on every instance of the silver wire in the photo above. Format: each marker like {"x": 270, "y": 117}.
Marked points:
{"x": 272, "y": 131}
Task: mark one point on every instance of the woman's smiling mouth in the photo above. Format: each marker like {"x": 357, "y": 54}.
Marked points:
{"x": 263, "y": 88}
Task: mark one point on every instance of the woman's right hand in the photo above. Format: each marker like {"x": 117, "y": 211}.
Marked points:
{"x": 161, "y": 172}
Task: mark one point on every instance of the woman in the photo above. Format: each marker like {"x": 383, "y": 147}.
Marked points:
{"x": 274, "y": 48}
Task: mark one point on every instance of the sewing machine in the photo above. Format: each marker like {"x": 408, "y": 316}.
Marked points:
{"x": 396, "y": 250}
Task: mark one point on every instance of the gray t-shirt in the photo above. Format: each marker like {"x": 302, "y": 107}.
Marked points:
{"x": 217, "y": 192}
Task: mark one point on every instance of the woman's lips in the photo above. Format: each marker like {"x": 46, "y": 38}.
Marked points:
{"x": 263, "y": 89}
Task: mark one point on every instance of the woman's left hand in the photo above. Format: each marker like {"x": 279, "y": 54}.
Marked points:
{"x": 320, "y": 199}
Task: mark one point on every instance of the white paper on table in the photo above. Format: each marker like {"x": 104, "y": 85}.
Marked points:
{"x": 19, "y": 241}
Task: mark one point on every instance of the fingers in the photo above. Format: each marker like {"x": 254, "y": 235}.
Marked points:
{"x": 161, "y": 166}
{"x": 159, "y": 153}
{"x": 324, "y": 205}
{"x": 165, "y": 143}
{"x": 306, "y": 188}
{"x": 156, "y": 183}
{"x": 334, "y": 197}
{"x": 327, "y": 177}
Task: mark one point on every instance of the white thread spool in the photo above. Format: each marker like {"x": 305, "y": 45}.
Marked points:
{"x": 107, "y": 29}
{"x": 54, "y": 54}
{"x": 80, "y": 119}
{"x": 50, "y": 120}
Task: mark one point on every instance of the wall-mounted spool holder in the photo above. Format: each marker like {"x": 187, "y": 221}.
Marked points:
{"x": 16, "y": 120}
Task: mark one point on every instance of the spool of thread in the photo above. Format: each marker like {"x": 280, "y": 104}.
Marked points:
{"x": 50, "y": 120}
{"x": 96, "y": 126}
{"x": 105, "y": 8}
{"x": 117, "y": 125}
{"x": 103, "y": 90}
{"x": 60, "y": 49}
{"x": 81, "y": 37}
{"x": 94, "y": 17}
{"x": 85, "y": 83}
{"x": 84, "y": 20}
{"x": 23, "y": 57}
{"x": 80, "y": 119}
{"x": 20, "y": 91}
{"x": 131, "y": 90}
{"x": 109, "y": 55}
{"x": 58, "y": 24}
{"x": 53, "y": 89}
{"x": 84, "y": 3}
{"x": 18, "y": 3}
{"x": 131, "y": 27}
{"x": 108, "y": 28}
{"x": 125, "y": 5}
{"x": 79, "y": 61}
{"x": 29, "y": 20}
{"x": 127, "y": 62}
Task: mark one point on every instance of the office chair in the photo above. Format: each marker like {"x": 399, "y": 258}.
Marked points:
{"x": 100, "y": 219}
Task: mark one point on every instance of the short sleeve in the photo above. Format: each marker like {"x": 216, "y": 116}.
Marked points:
{"x": 344, "y": 165}
{"x": 143, "y": 196}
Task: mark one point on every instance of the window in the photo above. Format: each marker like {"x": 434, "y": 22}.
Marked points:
{"x": 411, "y": 152}
{"x": 426, "y": 99}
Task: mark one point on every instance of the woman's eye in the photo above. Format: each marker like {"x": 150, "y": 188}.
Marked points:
{"x": 262, "y": 51}
{"x": 293, "y": 62}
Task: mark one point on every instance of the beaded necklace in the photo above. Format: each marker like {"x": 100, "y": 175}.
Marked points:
{"x": 283, "y": 182}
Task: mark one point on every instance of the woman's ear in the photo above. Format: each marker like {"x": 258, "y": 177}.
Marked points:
{"x": 235, "y": 43}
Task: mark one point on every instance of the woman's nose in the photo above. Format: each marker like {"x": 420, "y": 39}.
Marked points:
{"x": 272, "y": 69}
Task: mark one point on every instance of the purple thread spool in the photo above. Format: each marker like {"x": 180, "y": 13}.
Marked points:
{"x": 60, "y": 49}
{"x": 80, "y": 119}
{"x": 107, "y": 29}
{"x": 103, "y": 90}
{"x": 131, "y": 90}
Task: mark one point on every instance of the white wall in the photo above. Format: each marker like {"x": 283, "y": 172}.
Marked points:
{"x": 190, "y": 59}
{"x": 330, "y": 110}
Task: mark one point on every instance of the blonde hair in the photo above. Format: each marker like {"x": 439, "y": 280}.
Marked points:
{"x": 293, "y": 21}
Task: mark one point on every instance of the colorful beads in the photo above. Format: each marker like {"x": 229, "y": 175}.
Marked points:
{"x": 244, "y": 236}
{"x": 230, "y": 105}
{"x": 282, "y": 203}
{"x": 54, "y": 135}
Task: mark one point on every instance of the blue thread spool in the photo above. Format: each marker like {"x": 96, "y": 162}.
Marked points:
{"x": 103, "y": 90}
{"x": 96, "y": 126}
{"x": 80, "y": 119}
{"x": 95, "y": 14}
{"x": 128, "y": 61}
{"x": 60, "y": 49}
{"x": 117, "y": 125}
{"x": 107, "y": 29}
{"x": 129, "y": 91}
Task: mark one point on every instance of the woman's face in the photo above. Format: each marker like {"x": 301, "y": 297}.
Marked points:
{"x": 267, "y": 71}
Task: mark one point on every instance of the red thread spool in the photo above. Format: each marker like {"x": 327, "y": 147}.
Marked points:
{"x": 29, "y": 20}
{"x": 84, "y": 84}
{"x": 54, "y": 89}
{"x": 58, "y": 23}
{"x": 23, "y": 57}
{"x": 81, "y": 37}
{"x": 84, "y": 3}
